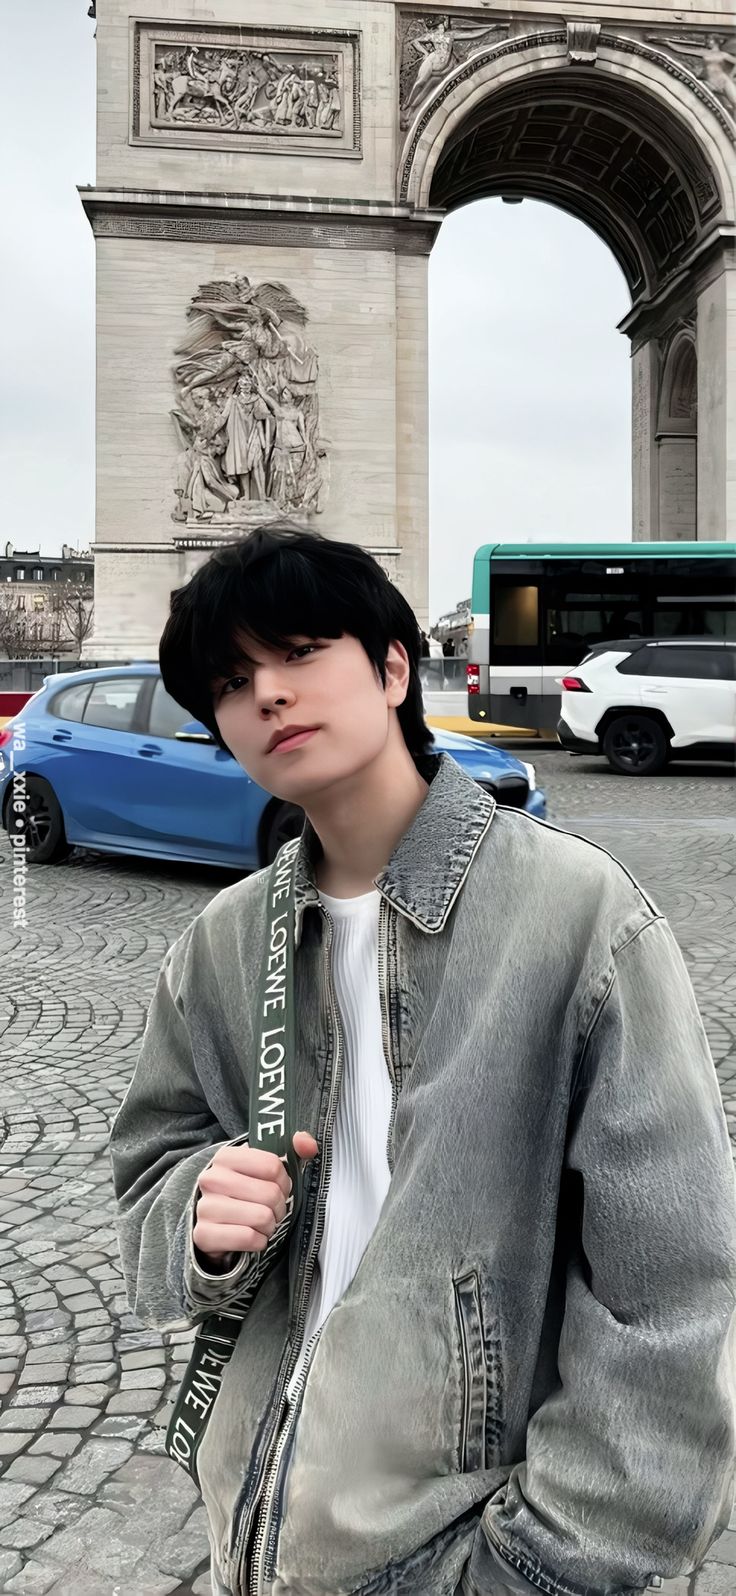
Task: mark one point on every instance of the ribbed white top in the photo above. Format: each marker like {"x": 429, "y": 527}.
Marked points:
{"x": 359, "y": 1176}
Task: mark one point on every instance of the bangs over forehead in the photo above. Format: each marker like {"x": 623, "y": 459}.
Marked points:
{"x": 271, "y": 602}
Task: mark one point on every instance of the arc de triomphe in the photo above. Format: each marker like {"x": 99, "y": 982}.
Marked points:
{"x": 270, "y": 183}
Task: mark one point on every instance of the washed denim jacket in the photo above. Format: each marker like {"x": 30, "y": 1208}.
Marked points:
{"x": 533, "y": 1367}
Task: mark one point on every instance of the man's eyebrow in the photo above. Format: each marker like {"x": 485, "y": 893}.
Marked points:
{"x": 242, "y": 657}
{"x": 230, "y": 670}
{"x": 239, "y": 657}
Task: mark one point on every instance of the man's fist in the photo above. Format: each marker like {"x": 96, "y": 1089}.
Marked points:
{"x": 243, "y": 1198}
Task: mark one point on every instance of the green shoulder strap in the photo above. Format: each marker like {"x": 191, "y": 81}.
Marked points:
{"x": 273, "y": 1090}
{"x": 271, "y": 1126}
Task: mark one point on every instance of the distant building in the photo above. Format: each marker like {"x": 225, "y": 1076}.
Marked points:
{"x": 45, "y": 600}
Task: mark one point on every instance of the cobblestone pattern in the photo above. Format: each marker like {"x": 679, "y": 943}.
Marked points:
{"x": 89, "y": 1505}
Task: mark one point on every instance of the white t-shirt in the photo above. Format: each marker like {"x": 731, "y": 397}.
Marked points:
{"x": 359, "y": 1176}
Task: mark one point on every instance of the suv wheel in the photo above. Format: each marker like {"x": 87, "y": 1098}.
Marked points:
{"x": 41, "y": 822}
{"x": 636, "y": 745}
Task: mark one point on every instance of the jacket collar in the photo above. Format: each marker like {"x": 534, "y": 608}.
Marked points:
{"x": 428, "y": 867}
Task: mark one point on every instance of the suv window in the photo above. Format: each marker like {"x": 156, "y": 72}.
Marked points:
{"x": 112, "y": 703}
{"x": 166, "y": 717}
{"x": 69, "y": 704}
{"x": 640, "y": 663}
{"x": 700, "y": 664}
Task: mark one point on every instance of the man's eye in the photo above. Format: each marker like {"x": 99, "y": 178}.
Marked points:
{"x": 304, "y": 648}
{"x": 234, "y": 682}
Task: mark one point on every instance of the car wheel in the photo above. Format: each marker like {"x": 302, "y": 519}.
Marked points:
{"x": 41, "y": 822}
{"x": 285, "y": 822}
{"x": 636, "y": 745}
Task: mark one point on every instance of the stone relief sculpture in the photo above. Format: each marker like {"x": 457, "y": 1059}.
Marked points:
{"x": 431, "y": 47}
{"x": 246, "y": 90}
{"x": 247, "y": 414}
{"x": 716, "y": 65}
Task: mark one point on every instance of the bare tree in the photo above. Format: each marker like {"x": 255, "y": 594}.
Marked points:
{"x": 13, "y": 626}
{"x": 76, "y": 611}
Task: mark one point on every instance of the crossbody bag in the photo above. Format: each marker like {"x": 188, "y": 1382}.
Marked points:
{"x": 270, "y": 1126}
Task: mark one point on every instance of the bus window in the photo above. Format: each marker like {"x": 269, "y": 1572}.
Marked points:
{"x": 515, "y": 614}
{"x": 576, "y": 618}
{"x": 688, "y": 615}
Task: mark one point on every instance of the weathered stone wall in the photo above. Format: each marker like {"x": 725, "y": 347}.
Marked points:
{"x": 144, "y": 288}
{"x": 368, "y": 175}
{"x": 717, "y": 401}
{"x": 332, "y": 199}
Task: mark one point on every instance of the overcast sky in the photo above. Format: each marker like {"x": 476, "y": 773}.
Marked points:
{"x": 529, "y": 426}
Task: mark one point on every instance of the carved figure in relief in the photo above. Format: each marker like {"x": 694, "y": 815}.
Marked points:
{"x": 247, "y": 90}
{"x": 436, "y": 48}
{"x": 289, "y": 447}
{"x": 247, "y": 414}
{"x": 329, "y": 101}
{"x": 249, "y": 430}
{"x": 206, "y": 489}
{"x": 202, "y": 83}
{"x": 718, "y": 64}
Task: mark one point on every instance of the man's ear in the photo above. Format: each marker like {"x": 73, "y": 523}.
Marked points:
{"x": 398, "y": 671}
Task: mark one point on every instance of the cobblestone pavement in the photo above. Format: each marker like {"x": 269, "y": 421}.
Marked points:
{"x": 89, "y": 1506}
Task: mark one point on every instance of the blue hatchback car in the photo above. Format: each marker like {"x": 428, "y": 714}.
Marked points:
{"x": 113, "y": 763}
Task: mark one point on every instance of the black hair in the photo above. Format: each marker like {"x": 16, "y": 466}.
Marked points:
{"x": 277, "y": 583}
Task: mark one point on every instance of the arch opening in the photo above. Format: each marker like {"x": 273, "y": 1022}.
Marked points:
{"x": 614, "y": 160}
{"x": 529, "y": 384}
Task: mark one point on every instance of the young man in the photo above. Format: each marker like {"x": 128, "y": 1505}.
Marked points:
{"x": 492, "y": 1350}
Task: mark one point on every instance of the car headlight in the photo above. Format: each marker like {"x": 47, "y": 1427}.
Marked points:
{"x": 531, "y": 775}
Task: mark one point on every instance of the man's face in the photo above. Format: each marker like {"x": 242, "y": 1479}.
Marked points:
{"x": 327, "y": 692}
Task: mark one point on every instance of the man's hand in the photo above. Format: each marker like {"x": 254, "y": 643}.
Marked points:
{"x": 243, "y": 1198}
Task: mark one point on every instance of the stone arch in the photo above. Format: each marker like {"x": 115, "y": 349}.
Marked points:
{"x": 677, "y": 436}
{"x": 627, "y": 139}
{"x": 659, "y": 170}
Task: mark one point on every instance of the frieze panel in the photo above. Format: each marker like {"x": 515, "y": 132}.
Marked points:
{"x": 247, "y": 411}
{"x": 273, "y": 232}
{"x": 691, "y": 60}
{"x": 431, "y": 45}
{"x": 496, "y": 50}
{"x": 231, "y": 88}
{"x": 710, "y": 57}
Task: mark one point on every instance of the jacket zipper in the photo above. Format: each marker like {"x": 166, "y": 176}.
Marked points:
{"x": 467, "y": 1391}
{"x": 383, "y": 987}
{"x": 265, "y": 1540}
{"x": 284, "y": 1424}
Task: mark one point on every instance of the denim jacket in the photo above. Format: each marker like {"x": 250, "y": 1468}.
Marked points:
{"x": 533, "y": 1367}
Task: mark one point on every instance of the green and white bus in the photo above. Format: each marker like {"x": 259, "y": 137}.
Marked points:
{"x": 537, "y": 609}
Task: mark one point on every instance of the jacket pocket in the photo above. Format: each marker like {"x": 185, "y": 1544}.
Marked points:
{"x": 471, "y": 1450}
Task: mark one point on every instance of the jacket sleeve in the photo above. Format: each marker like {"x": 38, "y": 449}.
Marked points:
{"x": 629, "y": 1463}
{"x": 164, "y": 1135}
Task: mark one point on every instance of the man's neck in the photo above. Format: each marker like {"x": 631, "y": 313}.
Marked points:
{"x": 360, "y": 824}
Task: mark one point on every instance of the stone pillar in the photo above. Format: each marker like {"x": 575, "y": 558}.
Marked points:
{"x": 677, "y": 487}
{"x": 644, "y": 460}
{"x": 412, "y": 433}
{"x": 716, "y": 343}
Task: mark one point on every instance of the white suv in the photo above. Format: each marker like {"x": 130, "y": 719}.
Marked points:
{"x": 643, "y": 700}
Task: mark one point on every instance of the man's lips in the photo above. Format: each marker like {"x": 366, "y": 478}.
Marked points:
{"x": 291, "y": 739}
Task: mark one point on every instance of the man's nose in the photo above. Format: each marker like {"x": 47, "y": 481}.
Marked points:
{"x": 272, "y": 694}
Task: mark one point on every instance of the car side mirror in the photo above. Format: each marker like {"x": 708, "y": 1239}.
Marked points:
{"x": 193, "y": 732}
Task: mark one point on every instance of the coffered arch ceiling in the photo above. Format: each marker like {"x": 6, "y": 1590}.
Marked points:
{"x": 604, "y": 152}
